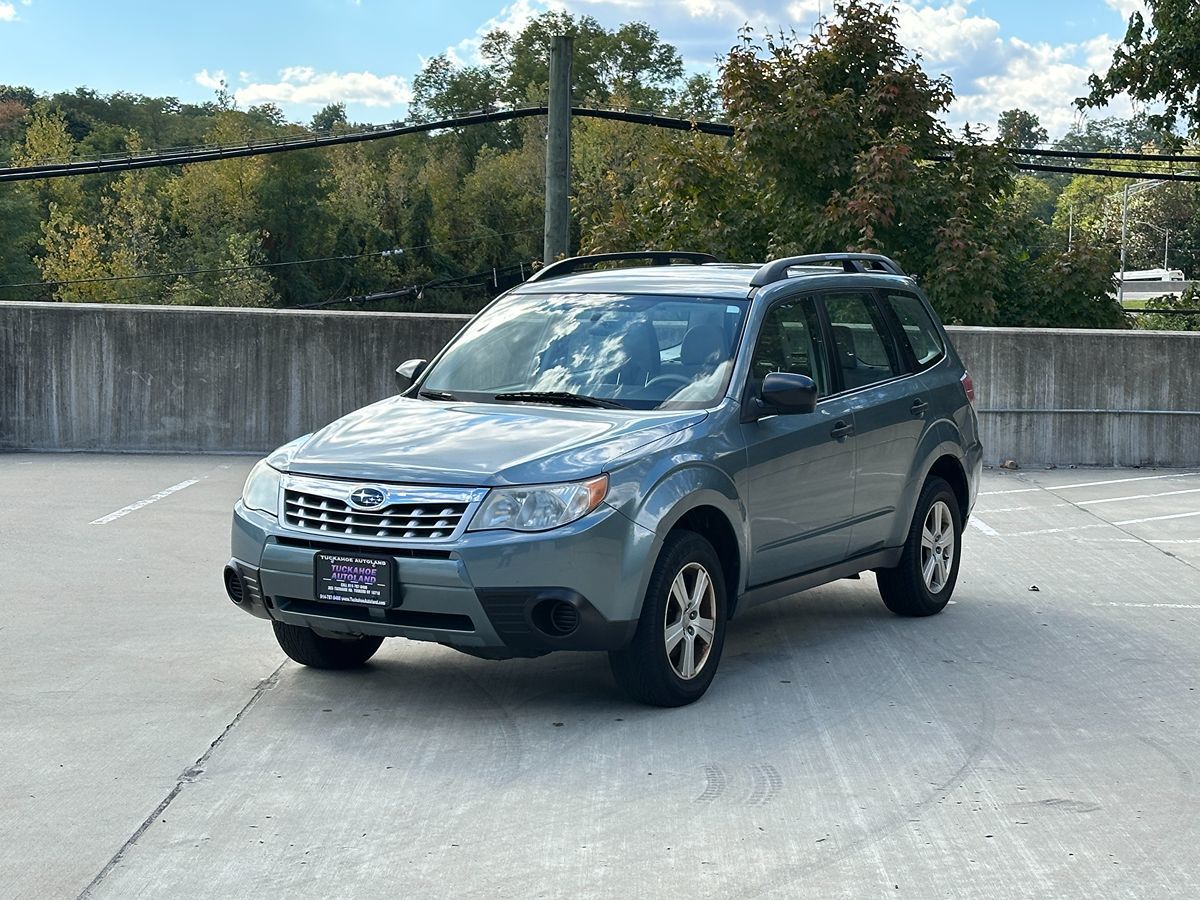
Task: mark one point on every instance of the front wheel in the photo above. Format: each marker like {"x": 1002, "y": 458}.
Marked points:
{"x": 308, "y": 648}
{"x": 922, "y": 582}
{"x": 674, "y": 653}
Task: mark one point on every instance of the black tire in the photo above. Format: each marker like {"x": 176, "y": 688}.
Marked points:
{"x": 646, "y": 669}
{"x": 308, "y": 648}
{"x": 903, "y": 588}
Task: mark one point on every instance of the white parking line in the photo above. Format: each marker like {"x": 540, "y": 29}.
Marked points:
{"x": 984, "y": 526}
{"x": 134, "y": 507}
{"x": 1186, "y": 515}
{"x": 1137, "y": 497}
{"x": 1013, "y": 491}
{"x": 1068, "y": 487}
{"x": 1152, "y": 605}
{"x": 1140, "y": 540}
{"x": 1057, "y": 530}
{"x": 989, "y": 511}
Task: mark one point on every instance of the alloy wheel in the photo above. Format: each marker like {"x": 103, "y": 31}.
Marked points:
{"x": 937, "y": 547}
{"x": 690, "y": 623}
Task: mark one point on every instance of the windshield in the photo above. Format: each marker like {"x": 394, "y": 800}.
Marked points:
{"x": 641, "y": 352}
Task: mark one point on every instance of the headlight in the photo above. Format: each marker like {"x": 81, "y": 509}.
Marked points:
{"x": 539, "y": 507}
{"x": 262, "y": 489}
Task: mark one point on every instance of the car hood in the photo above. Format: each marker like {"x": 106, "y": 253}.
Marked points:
{"x": 407, "y": 440}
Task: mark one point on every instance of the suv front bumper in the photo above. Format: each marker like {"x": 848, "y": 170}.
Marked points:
{"x": 492, "y": 593}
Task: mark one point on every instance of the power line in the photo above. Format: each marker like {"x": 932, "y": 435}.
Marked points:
{"x": 158, "y": 160}
{"x": 250, "y": 266}
{"x": 208, "y": 154}
{"x": 1103, "y": 154}
{"x": 417, "y": 289}
{"x": 1109, "y": 173}
{"x": 483, "y": 117}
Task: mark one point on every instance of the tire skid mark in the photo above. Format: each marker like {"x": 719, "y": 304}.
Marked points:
{"x": 786, "y": 876}
{"x": 767, "y": 784}
{"x": 715, "y": 784}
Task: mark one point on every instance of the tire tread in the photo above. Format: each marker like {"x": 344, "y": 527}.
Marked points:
{"x": 310, "y": 649}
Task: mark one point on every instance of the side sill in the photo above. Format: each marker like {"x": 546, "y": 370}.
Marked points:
{"x": 880, "y": 559}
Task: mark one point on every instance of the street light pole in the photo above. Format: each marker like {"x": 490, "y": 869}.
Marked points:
{"x": 1124, "y": 233}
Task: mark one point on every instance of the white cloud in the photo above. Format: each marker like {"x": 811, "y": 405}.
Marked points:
{"x": 1127, "y": 8}
{"x": 992, "y": 71}
{"x": 512, "y": 18}
{"x": 304, "y": 85}
{"x": 210, "y": 80}
{"x": 8, "y": 12}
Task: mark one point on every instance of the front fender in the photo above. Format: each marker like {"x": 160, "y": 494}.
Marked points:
{"x": 671, "y": 491}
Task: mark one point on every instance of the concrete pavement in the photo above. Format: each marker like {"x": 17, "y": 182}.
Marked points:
{"x": 1024, "y": 743}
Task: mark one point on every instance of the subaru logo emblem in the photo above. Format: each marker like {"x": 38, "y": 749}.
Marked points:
{"x": 368, "y": 498}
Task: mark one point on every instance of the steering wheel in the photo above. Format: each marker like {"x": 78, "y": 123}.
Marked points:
{"x": 679, "y": 380}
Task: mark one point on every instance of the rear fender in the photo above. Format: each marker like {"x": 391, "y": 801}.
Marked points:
{"x": 942, "y": 438}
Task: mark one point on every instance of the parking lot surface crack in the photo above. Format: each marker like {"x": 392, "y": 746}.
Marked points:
{"x": 188, "y": 775}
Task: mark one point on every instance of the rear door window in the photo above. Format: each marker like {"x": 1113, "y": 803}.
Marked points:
{"x": 864, "y": 351}
{"x": 917, "y": 327}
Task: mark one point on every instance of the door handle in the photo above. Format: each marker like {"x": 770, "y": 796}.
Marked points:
{"x": 918, "y": 408}
{"x": 841, "y": 431}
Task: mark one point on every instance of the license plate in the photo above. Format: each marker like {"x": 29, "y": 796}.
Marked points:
{"x": 353, "y": 578}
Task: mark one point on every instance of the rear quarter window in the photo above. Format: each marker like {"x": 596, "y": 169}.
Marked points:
{"x": 917, "y": 327}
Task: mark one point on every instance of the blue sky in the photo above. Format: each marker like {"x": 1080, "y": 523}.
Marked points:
{"x": 305, "y": 53}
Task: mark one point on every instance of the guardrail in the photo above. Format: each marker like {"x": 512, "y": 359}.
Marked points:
{"x": 174, "y": 379}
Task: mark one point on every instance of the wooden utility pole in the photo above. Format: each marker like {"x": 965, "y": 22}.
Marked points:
{"x": 558, "y": 151}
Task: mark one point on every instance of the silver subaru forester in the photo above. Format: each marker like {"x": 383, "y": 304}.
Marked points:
{"x": 621, "y": 454}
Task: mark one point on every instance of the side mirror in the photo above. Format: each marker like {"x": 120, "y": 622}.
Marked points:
{"x": 409, "y": 371}
{"x": 788, "y": 393}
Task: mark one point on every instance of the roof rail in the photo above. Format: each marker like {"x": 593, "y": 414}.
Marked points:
{"x": 777, "y": 269}
{"x": 655, "y": 257}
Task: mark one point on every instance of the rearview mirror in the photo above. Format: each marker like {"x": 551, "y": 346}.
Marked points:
{"x": 409, "y": 371}
{"x": 788, "y": 393}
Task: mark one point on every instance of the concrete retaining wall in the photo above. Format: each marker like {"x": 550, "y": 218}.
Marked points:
{"x": 1089, "y": 397}
{"x": 101, "y": 377}
{"x": 105, "y": 377}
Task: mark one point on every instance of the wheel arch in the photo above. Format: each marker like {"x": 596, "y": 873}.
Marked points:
{"x": 714, "y": 526}
{"x": 941, "y": 452}
{"x": 950, "y": 469}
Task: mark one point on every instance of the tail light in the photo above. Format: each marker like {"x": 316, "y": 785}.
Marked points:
{"x": 968, "y": 386}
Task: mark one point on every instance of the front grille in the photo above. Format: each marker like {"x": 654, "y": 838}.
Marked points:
{"x": 360, "y": 547}
{"x": 404, "y": 521}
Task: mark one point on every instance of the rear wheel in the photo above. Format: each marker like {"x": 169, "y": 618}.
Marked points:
{"x": 308, "y": 648}
{"x": 922, "y": 582}
{"x": 674, "y": 654}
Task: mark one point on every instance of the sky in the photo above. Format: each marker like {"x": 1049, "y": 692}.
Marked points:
{"x": 303, "y": 54}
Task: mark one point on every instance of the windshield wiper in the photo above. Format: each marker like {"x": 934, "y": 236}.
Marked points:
{"x": 563, "y": 398}
{"x": 437, "y": 395}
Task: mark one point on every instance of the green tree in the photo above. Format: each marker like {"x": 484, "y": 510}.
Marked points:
{"x": 330, "y": 118}
{"x": 1157, "y": 63}
{"x": 1185, "y": 314}
{"x": 631, "y": 61}
{"x": 1113, "y": 133}
{"x": 1020, "y": 128}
